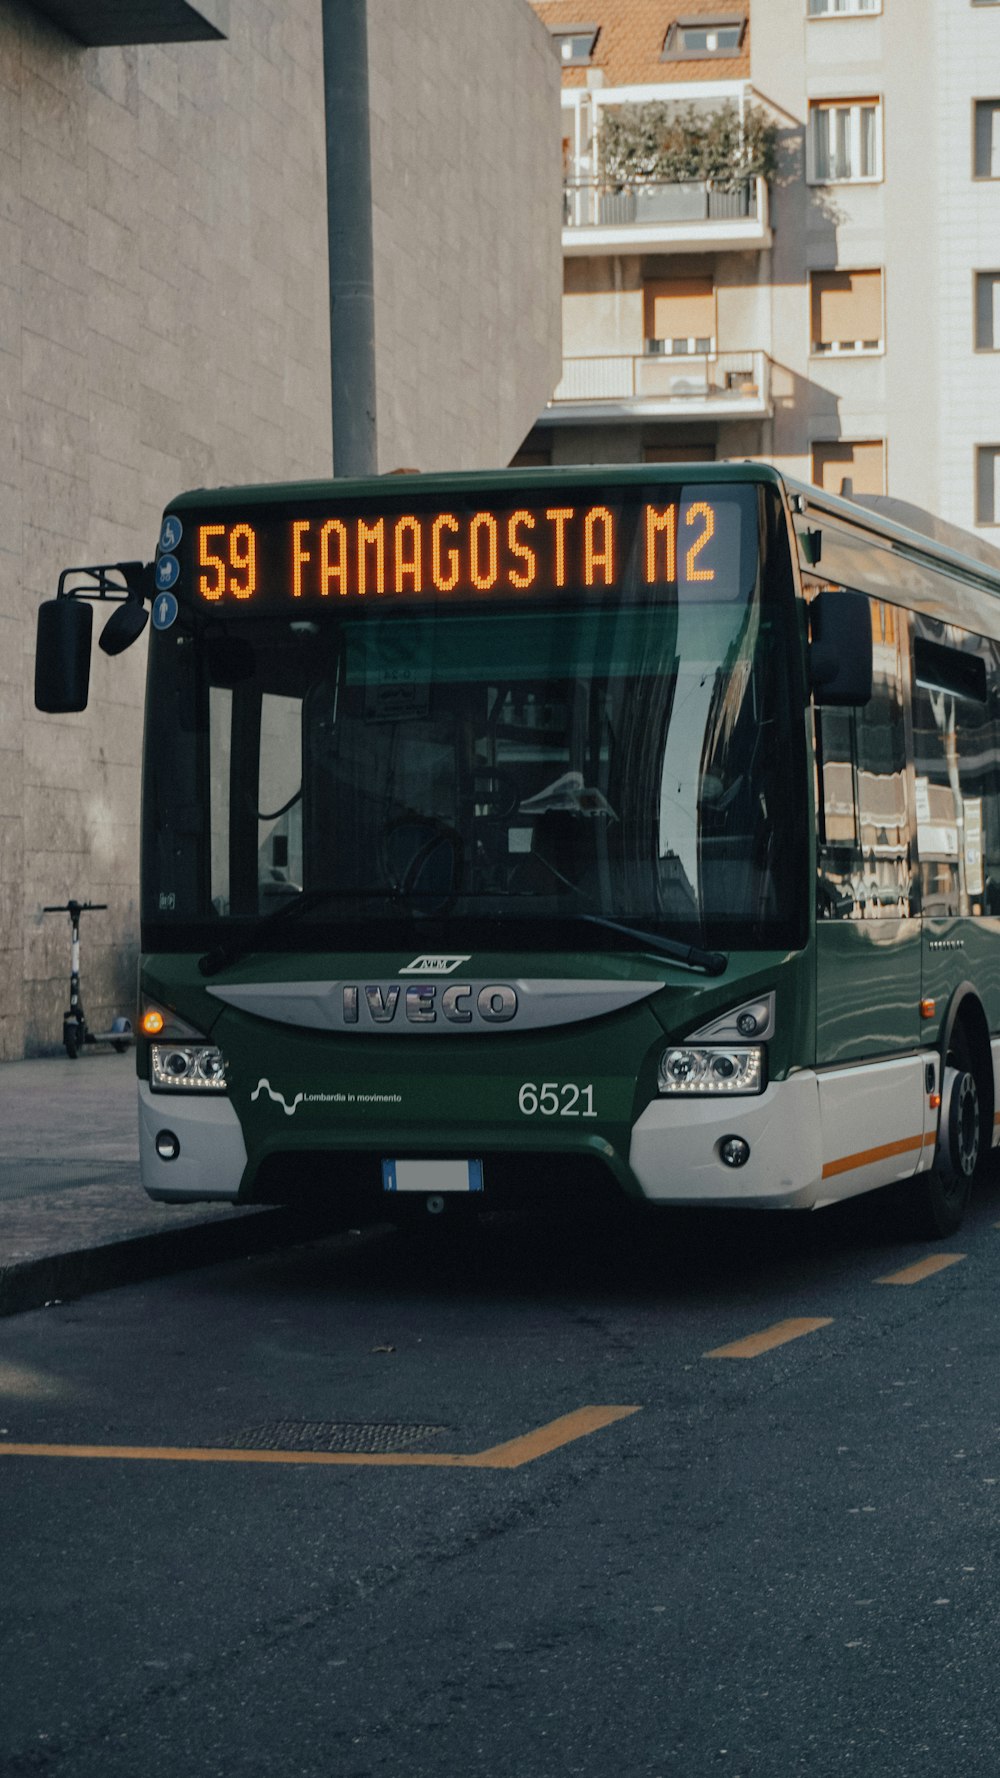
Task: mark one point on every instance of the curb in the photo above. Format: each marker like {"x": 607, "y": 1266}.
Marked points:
{"x": 62, "y": 1277}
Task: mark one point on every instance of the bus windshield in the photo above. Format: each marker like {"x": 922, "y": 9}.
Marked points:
{"x": 496, "y": 774}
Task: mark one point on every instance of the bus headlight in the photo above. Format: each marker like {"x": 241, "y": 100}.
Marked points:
{"x": 186, "y": 1068}
{"x": 697, "y": 1068}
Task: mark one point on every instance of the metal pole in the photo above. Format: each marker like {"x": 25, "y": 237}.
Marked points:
{"x": 349, "y": 226}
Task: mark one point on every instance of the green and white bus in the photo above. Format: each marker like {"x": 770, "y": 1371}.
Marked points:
{"x": 520, "y": 836}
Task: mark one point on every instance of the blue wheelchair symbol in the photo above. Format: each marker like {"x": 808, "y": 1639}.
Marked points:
{"x": 168, "y": 571}
{"x": 164, "y": 611}
{"x": 172, "y": 533}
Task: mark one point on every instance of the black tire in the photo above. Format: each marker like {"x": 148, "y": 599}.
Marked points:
{"x": 71, "y": 1041}
{"x": 120, "y": 1047}
{"x": 940, "y": 1198}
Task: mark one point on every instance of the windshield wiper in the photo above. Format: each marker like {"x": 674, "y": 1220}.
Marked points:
{"x": 242, "y": 942}
{"x": 689, "y": 956}
{"x": 692, "y": 956}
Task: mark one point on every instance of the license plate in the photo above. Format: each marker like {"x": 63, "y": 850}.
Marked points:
{"x": 432, "y": 1176}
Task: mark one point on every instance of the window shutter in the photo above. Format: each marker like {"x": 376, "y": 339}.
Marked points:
{"x": 859, "y": 462}
{"x": 680, "y": 308}
{"x": 846, "y": 307}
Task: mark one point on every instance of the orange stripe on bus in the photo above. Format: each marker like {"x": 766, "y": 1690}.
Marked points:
{"x": 868, "y": 1156}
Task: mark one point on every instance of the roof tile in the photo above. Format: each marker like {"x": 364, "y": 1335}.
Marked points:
{"x": 631, "y": 37}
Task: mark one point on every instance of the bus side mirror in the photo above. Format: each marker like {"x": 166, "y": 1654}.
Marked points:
{"x": 62, "y": 656}
{"x": 124, "y": 626}
{"x": 840, "y": 647}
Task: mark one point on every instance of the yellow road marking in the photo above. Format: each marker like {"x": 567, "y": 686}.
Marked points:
{"x": 510, "y": 1455}
{"x": 769, "y": 1337}
{"x": 924, "y": 1268}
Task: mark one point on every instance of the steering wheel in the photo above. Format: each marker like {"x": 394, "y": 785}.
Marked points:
{"x": 423, "y": 857}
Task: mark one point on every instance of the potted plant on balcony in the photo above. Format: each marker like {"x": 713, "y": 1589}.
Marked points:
{"x": 679, "y": 163}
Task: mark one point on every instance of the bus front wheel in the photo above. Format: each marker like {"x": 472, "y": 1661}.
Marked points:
{"x": 942, "y": 1195}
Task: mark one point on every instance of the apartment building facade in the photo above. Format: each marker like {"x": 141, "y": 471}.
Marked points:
{"x": 844, "y": 322}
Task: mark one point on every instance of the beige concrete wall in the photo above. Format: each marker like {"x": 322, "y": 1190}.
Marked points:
{"x": 603, "y": 300}
{"x": 466, "y": 190}
{"x": 164, "y": 324}
{"x": 602, "y": 306}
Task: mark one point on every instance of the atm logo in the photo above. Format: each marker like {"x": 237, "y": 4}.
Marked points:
{"x": 433, "y": 965}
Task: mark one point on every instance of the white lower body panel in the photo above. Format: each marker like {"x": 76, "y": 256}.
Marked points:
{"x": 212, "y": 1155}
{"x": 814, "y": 1138}
{"x": 878, "y": 1124}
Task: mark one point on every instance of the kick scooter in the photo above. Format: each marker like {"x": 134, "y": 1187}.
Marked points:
{"x": 75, "y": 1031}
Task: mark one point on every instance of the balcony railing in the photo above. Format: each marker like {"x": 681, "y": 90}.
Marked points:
{"x": 589, "y": 204}
{"x": 729, "y": 382}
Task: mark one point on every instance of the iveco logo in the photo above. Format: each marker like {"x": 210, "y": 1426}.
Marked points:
{"x": 433, "y": 965}
{"x": 435, "y": 1009}
{"x": 459, "y": 1003}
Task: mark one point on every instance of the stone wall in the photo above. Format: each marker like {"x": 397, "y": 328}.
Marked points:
{"x": 164, "y": 324}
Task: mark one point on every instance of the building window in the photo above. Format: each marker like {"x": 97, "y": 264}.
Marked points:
{"x": 830, "y": 9}
{"x": 988, "y": 311}
{"x": 575, "y": 44}
{"x": 691, "y": 40}
{"x": 845, "y": 139}
{"x": 844, "y": 466}
{"x": 846, "y": 312}
{"x": 679, "y": 316}
{"x": 988, "y": 484}
{"x": 986, "y": 153}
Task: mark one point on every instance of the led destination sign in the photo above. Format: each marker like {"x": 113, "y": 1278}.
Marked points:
{"x": 697, "y": 540}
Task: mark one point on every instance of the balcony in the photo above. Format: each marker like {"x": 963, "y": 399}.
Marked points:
{"x": 663, "y": 218}
{"x": 625, "y": 386}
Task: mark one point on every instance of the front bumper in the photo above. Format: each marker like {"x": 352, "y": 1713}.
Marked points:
{"x": 675, "y": 1157}
{"x": 212, "y": 1156}
{"x": 812, "y": 1140}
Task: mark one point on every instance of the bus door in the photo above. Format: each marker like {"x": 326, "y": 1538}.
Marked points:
{"x": 872, "y": 1090}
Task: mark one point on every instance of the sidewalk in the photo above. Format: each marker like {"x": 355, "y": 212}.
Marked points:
{"x": 73, "y": 1214}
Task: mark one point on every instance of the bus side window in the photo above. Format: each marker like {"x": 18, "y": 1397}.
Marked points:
{"x": 884, "y": 816}
{"x": 838, "y": 885}
{"x": 864, "y": 841}
{"x": 955, "y": 755}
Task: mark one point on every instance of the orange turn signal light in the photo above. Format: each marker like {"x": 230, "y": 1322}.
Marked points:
{"x": 151, "y": 1022}
{"x": 935, "y": 1101}
{"x": 928, "y": 1008}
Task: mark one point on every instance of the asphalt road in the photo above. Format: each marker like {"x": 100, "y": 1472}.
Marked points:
{"x": 785, "y": 1561}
